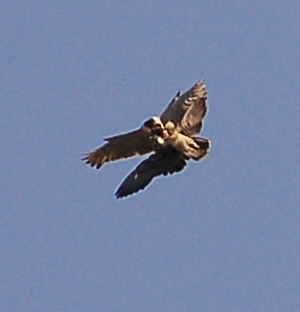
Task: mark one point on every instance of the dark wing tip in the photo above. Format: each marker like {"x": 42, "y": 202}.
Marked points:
{"x": 85, "y": 158}
{"x": 90, "y": 159}
{"x": 120, "y": 195}
{"x": 130, "y": 186}
{"x": 121, "y": 192}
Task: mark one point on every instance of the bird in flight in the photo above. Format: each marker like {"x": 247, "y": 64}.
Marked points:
{"x": 171, "y": 138}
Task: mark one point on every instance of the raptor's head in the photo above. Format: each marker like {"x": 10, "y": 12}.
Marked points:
{"x": 154, "y": 126}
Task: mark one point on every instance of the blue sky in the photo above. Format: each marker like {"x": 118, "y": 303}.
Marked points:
{"x": 222, "y": 236}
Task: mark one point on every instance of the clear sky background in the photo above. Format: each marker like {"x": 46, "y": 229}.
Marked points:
{"x": 224, "y": 235}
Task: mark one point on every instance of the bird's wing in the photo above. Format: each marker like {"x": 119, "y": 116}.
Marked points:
{"x": 118, "y": 147}
{"x": 166, "y": 162}
{"x": 188, "y": 110}
{"x": 170, "y": 112}
{"x": 192, "y": 120}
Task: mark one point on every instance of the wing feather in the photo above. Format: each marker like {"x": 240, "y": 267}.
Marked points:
{"x": 168, "y": 161}
{"x": 119, "y": 147}
{"x": 188, "y": 110}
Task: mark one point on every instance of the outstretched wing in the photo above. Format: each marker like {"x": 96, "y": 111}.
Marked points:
{"x": 119, "y": 147}
{"x": 168, "y": 161}
{"x": 188, "y": 110}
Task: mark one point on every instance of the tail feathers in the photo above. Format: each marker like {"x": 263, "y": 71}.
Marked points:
{"x": 202, "y": 150}
{"x": 202, "y": 143}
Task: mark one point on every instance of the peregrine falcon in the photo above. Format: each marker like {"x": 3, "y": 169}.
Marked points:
{"x": 171, "y": 137}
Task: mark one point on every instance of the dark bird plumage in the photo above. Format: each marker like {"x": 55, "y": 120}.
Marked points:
{"x": 167, "y": 161}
